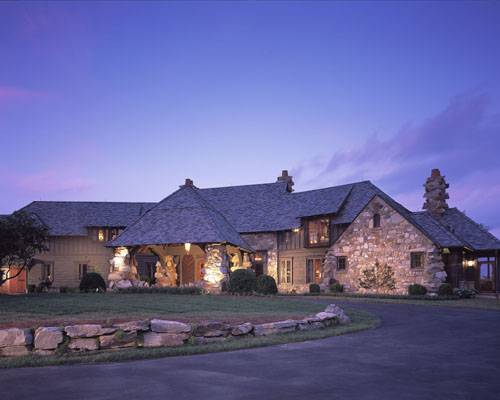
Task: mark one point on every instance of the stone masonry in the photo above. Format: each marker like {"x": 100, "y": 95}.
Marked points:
{"x": 435, "y": 193}
{"x": 390, "y": 244}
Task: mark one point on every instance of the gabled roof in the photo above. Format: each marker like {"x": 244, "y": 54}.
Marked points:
{"x": 72, "y": 218}
{"x": 183, "y": 217}
{"x": 435, "y": 231}
{"x": 471, "y": 233}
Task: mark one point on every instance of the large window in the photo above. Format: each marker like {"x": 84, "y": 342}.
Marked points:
{"x": 313, "y": 270}
{"x": 285, "y": 274}
{"x": 417, "y": 260}
{"x": 318, "y": 232}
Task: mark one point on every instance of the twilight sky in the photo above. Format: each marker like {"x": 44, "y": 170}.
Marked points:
{"x": 122, "y": 101}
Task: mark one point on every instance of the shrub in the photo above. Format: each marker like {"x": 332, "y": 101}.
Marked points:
{"x": 242, "y": 281}
{"x": 417, "y": 290}
{"x": 336, "y": 287}
{"x": 92, "y": 282}
{"x": 445, "y": 290}
{"x": 266, "y": 285}
{"x": 188, "y": 290}
{"x": 314, "y": 288}
{"x": 465, "y": 293}
{"x": 379, "y": 278}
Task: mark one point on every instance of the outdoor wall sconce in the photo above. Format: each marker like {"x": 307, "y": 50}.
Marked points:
{"x": 187, "y": 246}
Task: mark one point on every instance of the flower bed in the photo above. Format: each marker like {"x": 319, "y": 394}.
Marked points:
{"x": 149, "y": 333}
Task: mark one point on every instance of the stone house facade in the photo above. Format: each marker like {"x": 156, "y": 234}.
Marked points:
{"x": 200, "y": 236}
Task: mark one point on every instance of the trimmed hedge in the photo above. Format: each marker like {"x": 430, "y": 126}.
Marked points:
{"x": 242, "y": 281}
{"x": 266, "y": 285}
{"x": 92, "y": 282}
{"x": 445, "y": 290}
{"x": 336, "y": 287}
{"x": 417, "y": 290}
{"x": 314, "y": 288}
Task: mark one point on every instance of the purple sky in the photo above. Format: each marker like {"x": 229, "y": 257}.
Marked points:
{"x": 122, "y": 101}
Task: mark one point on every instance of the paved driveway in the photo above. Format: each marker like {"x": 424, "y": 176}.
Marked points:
{"x": 420, "y": 352}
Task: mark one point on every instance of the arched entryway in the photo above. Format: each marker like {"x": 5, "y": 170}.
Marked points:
{"x": 188, "y": 269}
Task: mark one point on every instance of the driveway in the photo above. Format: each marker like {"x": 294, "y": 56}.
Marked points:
{"x": 419, "y": 352}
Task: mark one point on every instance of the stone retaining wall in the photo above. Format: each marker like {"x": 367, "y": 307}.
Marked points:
{"x": 149, "y": 333}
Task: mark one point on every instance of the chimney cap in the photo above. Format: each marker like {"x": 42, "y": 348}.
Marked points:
{"x": 188, "y": 182}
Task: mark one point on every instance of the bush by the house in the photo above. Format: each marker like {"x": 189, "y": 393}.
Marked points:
{"x": 336, "y": 287}
{"x": 379, "y": 278}
{"x": 242, "y": 281}
{"x": 445, "y": 289}
{"x": 314, "y": 288}
{"x": 465, "y": 293}
{"x": 266, "y": 285}
{"x": 417, "y": 290}
{"x": 92, "y": 282}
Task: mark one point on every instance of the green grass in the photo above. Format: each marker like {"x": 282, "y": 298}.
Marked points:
{"x": 360, "y": 321}
{"x": 479, "y": 302}
{"x": 38, "y": 309}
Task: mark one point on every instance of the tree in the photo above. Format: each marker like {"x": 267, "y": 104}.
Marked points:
{"x": 379, "y": 278}
{"x": 22, "y": 236}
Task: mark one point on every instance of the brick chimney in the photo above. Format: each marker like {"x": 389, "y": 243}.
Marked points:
{"x": 286, "y": 178}
{"x": 436, "y": 194}
{"x": 187, "y": 182}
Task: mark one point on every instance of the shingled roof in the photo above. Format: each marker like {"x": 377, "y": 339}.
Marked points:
{"x": 183, "y": 217}
{"x": 72, "y": 218}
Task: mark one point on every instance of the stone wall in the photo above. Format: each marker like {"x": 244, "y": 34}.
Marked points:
{"x": 149, "y": 333}
{"x": 265, "y": 242}
{"x": 390, "y": 244}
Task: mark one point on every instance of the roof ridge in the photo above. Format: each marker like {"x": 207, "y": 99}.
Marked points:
{"x": 90, "y": 202}
{"x": 250, "y": 184}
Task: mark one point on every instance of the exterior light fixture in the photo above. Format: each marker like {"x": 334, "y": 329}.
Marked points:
{"x": 187, "y": 246}
{"x": 296, "y": 230}
{"x": 470, "y": 263}
{"x": 100, "y": 235}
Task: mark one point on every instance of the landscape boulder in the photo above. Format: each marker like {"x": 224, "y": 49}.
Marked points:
{"x": 242, "y": 329}
{"x": 142, "y": 326}
{"x": 339, "y": 312}
{"x": 87, "y": 330}
{"x": 15, "y": 337}
{"x": 118, "y": 340}
{"x": 83, "y": 344}
{"x": 14, "y": 351}
{"x": 164, "y": 326}
{"x": 154, "y": 339}
{"x": 275, "y": 327}
{"x": 211, "y": 329}
{"x": 48, "y": 338}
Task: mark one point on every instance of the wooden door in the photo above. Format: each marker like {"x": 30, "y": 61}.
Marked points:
{"x": 188, "y": 269}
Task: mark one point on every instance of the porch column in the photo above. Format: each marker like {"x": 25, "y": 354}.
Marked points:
{"x": 215, "y": 269}
{"x": 119, "y": 267}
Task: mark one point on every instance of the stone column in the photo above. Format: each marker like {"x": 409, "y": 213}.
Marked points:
{"x": 215, "y": 268}
{"x": 119, "y": 267}
{"x": 329, "y": 266}
{"x": 435, "y": 193}
{"x": 434, "y": 273}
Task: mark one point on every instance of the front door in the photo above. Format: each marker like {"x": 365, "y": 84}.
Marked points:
{"x": 188, "y": 269}
{"x": 486, "y": 269}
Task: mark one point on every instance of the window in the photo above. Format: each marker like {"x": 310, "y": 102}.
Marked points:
{"x": 376, "y": 220}
{"x": 341, "y": 263}
{"x": 84, "y": 269}
{"x": 285, "y": 271}
{"x": 417, "y": 260}
{"x": 313, "y": 270}
{"x": 47, "y": 272}
{"x": 318, "y": 232}
{"x": 259, "y": 262}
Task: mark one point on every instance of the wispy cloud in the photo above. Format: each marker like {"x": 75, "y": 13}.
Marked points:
{"x": 462, "y": 140}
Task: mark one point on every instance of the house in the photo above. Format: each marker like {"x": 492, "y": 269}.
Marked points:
{"x": 199, "y": 236}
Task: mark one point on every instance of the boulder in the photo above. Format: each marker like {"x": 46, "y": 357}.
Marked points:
{"x": 14, "y": 351}
{"x": 339, "y": 312}
{"x": 211, "y": 329}
{"x": 80, "y": 344}
{"x": 306, "y": 325}
{"x": 154, "y": 339}
{"x": 133, "y": 326}
{"x": 87, "y": 330}
{"x": 15, "y": 337}
{"x": 275, "y": 327}
{"x": 242, "y": 329}
{"x": 118, "y": 340}
{"x": 48, "y": 338}
{"x": 164, "y": 326}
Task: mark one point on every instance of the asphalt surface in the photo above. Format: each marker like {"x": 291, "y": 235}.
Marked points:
{"x": 419, "y": 352}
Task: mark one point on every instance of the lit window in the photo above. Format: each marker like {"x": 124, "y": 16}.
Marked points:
{"x": 318, "y": 232}
{"x": 341, "y": 263}
{"x": 313, "y": 270}
{"x": 417, "y": 260}
{"x": 100, "y": 235}
{"x": 285, "y": 271}
{"x": 376, "y": 220}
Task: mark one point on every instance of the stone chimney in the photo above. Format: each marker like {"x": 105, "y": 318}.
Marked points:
{"x": 187, "y": 182}
{"x": 435, "y": 193}
{"x": 286, "y": 178}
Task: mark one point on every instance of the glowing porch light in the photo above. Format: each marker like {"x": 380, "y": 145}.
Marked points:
{"x": 296, "y": 230}
{"x": 470, "y": 263}
{"x": 100, "y": 235}
{"x": 187, "y": 247}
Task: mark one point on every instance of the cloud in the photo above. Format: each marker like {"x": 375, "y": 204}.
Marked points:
{"x": 51, "y": 182}
{"x": 462, "y": 140}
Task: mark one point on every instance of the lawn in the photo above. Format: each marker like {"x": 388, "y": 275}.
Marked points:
{"x": 34, "y": 310}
